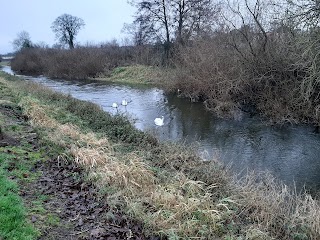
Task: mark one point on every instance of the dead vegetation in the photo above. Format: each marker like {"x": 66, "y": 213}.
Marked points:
{"x": 267, "y": 64}
{"x": 81, "y": 63}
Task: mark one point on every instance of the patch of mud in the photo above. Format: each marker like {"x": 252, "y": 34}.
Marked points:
{"x": 11, "y": 111}
{"x": 83, "y": 214}
{"x": 6, "y": 140}
{"x": 8, "y": 110}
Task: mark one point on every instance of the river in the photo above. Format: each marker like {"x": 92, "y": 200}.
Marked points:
{"x": 291, "y": 152}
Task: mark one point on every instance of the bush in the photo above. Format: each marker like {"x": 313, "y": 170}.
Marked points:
{"x": 229, "y": 75}
{"x": 75, "y": 63}
{"x": 81, "y": 63}
{"x": 29, "y": 61}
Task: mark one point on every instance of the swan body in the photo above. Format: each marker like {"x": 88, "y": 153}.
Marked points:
{"x": 124, "y": 102}
{"x": 159, "y": 121}
{"x": 114, "y": 105}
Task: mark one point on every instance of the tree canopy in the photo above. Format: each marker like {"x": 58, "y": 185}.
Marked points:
{"x": 23, "y": 40}
{"x": 66, "y": 28}
{"x": 175, "y": 20}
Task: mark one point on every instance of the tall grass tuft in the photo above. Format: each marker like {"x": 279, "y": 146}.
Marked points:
{"x": 273, "y": 207}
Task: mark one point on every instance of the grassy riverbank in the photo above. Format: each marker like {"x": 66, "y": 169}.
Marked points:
{"x": 165, "y": 187}
{"x": 15, "y": 162}
{"x": 136, "y": 74}
{"x": 4, "y": 63}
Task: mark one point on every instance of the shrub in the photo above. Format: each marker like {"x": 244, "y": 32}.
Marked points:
{"x": 83, "y": 62}
{"x": 228, "y": 76}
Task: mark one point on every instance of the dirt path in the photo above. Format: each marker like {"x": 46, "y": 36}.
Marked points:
{"x": 76, "y": 202}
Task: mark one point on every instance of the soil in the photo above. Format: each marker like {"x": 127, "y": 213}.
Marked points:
{"x": 6, "y": 140}
{"x": 11, "y": 114}
{"x": 82, "y": 212}
{"x": 74, "y": 205}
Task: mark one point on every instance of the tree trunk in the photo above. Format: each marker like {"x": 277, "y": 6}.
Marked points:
{"x": 71, "y": 37}
{"x": 166, "y": 25}
{"x": 180, "y": 22}
{"x": 165, "y": 21}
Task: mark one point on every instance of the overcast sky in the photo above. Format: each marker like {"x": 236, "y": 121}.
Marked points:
{"x": 104, "y": 19}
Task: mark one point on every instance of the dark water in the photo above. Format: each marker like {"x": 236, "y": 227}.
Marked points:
{"x": 290, "y": 153}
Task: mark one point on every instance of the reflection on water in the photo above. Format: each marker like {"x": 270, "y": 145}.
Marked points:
{"x": 291, "y": 153}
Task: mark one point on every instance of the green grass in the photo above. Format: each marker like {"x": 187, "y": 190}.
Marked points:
{"x": 16, "y": 163}
{"x": 13, "y": 222}
{"x": 135, "y": 74}
{"x": 4, "y": 63}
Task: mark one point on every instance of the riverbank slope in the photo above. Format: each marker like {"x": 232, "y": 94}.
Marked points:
{"x": 44, "y": 195}
{"x": 165, "y": 187}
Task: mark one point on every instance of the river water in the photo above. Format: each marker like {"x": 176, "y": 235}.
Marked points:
{"x": 290, "y": 153}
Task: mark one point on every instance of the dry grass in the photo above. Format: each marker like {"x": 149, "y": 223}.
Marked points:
{"x": 273, "y": 207}
{"x": 178, "y": 205}
{"x": 66, "y": 135}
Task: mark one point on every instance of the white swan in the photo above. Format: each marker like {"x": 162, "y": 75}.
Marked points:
{"x": 114, "y": 105}
{"x": 159, "y": 121}
{"x": 124, "y": 102}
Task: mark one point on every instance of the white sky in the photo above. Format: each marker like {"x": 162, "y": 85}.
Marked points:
{"x": 104, "y": 19}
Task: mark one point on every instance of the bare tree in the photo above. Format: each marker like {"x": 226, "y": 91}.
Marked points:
{"x": 153, "y": 20}
{"x": 176, "y": 19}
{"x": 193, "y": 17}
{"x": 141, "y": 32}
{"x": 306, "y": 12}
{"x": 23, "y": 40}
{"x": 66, "y": 28}
{"x": 248, "y": 24}
{"x": 153, "y": 16}
{"x": 306, "y": 16}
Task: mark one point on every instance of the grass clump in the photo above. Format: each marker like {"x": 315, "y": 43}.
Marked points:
{"x": 135, "y": 74}
{"x": 13, "y": 215}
